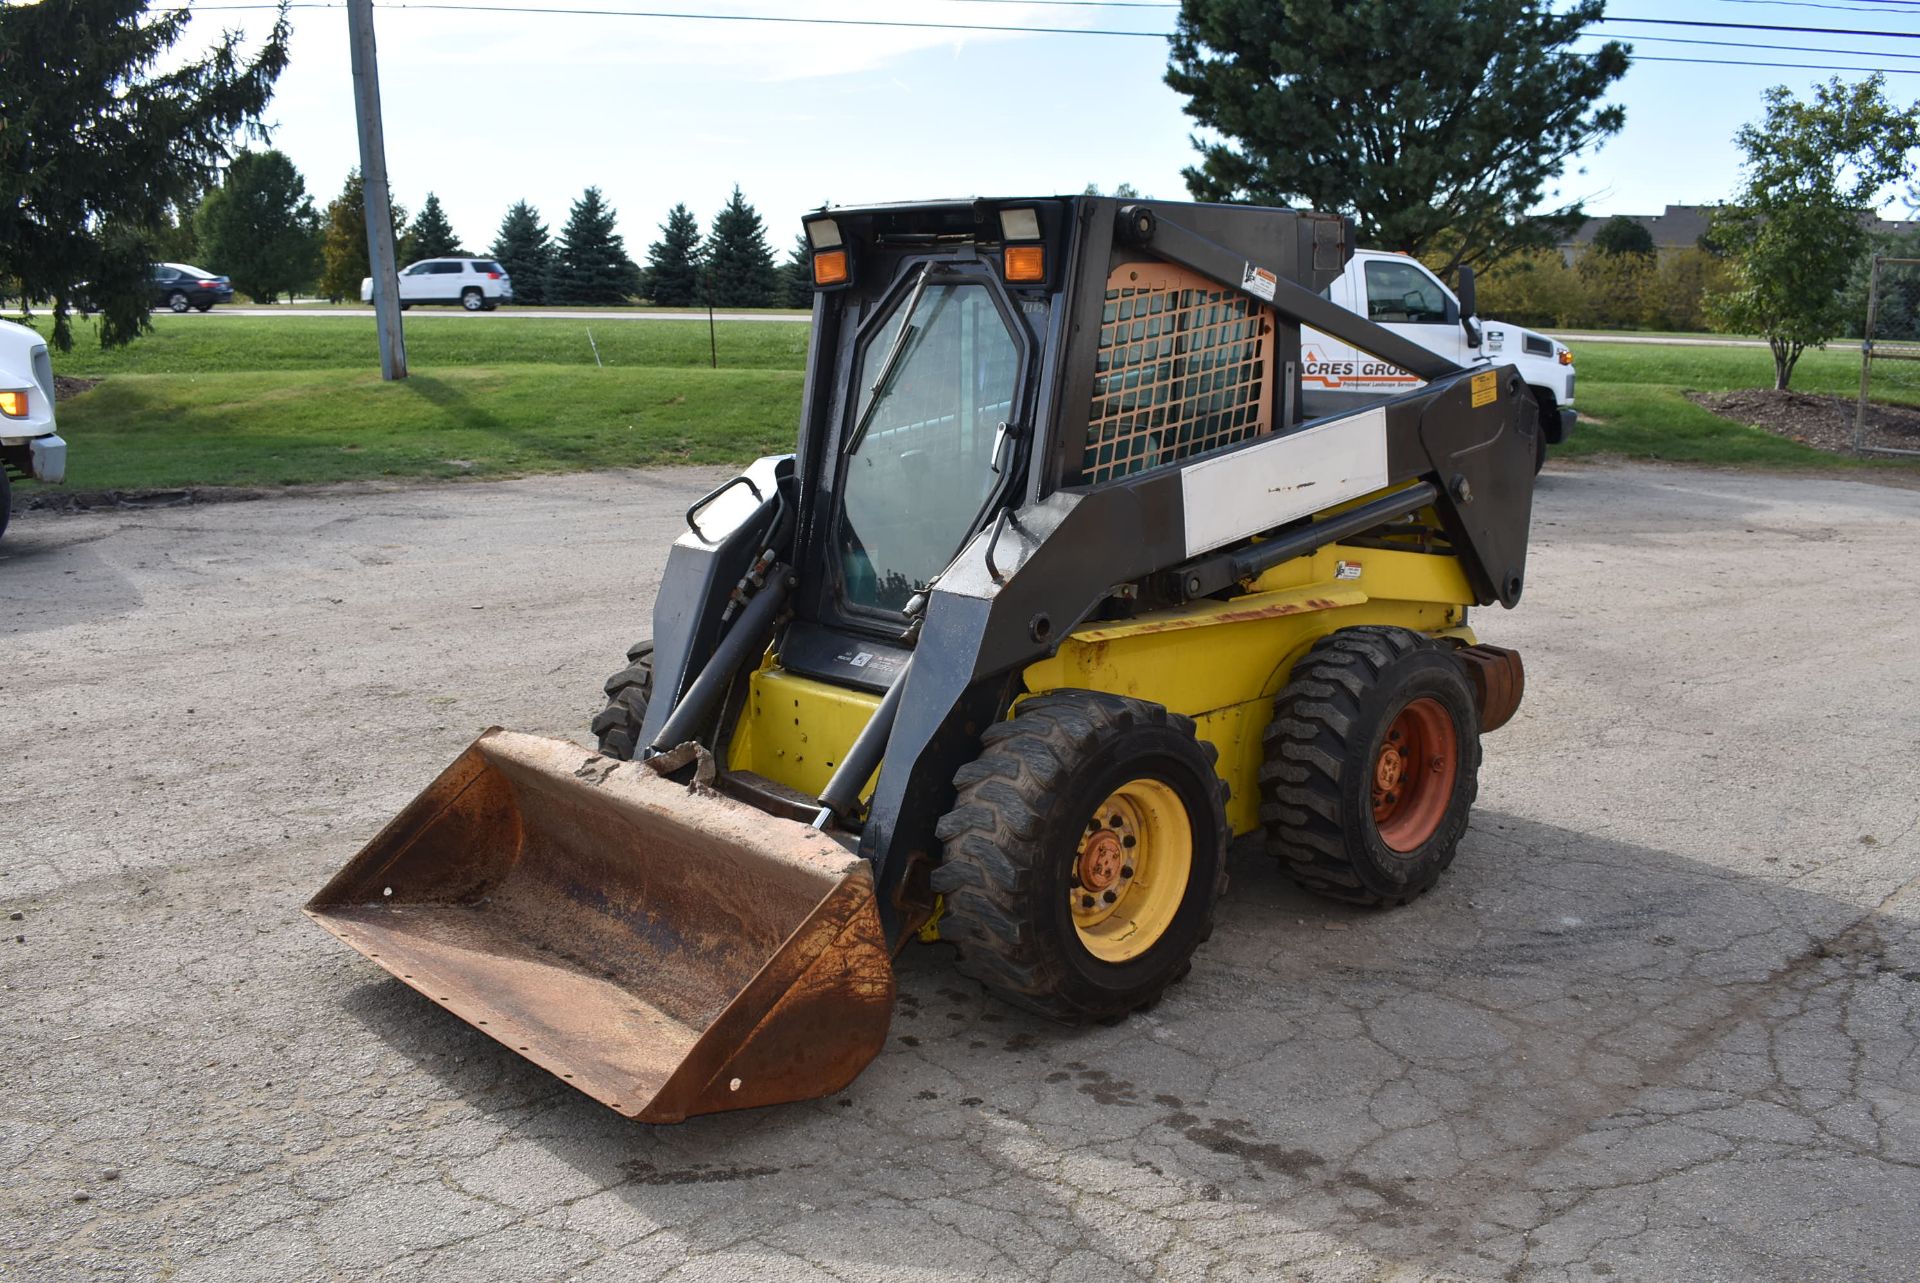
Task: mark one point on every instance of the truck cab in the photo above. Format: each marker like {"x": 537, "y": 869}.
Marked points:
{"x": 29, "y": 446}
{"x": 1399, "y": 292}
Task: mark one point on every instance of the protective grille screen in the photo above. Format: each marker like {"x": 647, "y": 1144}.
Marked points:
{"x": 1185, "y": 366}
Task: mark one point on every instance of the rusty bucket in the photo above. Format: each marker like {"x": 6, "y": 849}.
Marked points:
{"x": 666, "y": 950}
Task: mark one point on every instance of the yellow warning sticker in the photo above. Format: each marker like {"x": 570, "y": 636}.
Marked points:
{"x": 1486, "y": 388}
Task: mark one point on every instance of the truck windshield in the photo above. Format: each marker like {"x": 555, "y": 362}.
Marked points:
{"x": 919, "y": 471}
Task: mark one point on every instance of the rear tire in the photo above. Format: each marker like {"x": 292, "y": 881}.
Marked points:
{"x": 472, "y": 300}
{"x": 1372, "y": 765}
{"x": 178, "y": 302}
{"x": 203, "y": 307}
{"x": 1080, "y": 797}
{"x": 629, "y": 691}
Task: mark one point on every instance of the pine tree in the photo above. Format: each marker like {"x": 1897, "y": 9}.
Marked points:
{"x": 431, "y": 235}
{"x": 739, "y": 267}
{"x": 109, "y": 130}
{"x": 592, "y": 264}
{"x": 673, "y": 261}
{"x": 796, "y": 275}
{"x": 343, "y": 240}
{"x": 525, "y": 252}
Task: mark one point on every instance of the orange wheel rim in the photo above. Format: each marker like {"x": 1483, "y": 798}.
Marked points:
{"x": 1413, "y": 774}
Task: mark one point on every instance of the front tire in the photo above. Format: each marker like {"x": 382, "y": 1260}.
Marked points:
{"x": 629, "y": 691}
{"x": 6, "y": 500}
{"x": 203, "y": 307}
{"x": 1372, "y": 765}
{"x": 1084, "y": 855}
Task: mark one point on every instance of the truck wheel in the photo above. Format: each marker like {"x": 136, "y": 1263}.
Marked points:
{"x": 6, "y": 500}
{"x": 629, "y": 691}
{"x": 1084, "y": 855}
{"x": 1549, "y": 419}
{"x": 1372, "y": 764}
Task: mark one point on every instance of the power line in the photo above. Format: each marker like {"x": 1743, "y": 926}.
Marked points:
{"x": 1748, "y": 44}
{"x": 448, "y": 6}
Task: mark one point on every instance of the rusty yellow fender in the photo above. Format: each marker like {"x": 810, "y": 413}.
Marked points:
{"x": 664, "y": 949}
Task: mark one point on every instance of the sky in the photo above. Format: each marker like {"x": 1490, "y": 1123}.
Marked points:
{"x": 484, "y": 109}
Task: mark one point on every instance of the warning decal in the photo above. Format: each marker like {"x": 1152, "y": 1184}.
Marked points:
{"x": 1486, "y": 388}
{"x": 1258, "y": 281}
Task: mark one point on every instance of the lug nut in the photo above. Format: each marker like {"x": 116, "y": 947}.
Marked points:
{"x": 1086, "y": 902}
{"x": 1109, "y": 897}
{"x": 1127, "y": 840}
{"x": 1126, "y": 871}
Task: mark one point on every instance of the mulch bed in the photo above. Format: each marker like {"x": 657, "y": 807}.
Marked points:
{"x": 65, "y": 389}
{"x": 1823, "y": 422}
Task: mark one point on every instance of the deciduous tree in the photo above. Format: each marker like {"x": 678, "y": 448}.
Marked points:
{"x": 1622, "y": 235}
{"x": 98, "y": 149}
{"x": 260, "y": 228}
{"x": 1437, "y": 125}
{"x": 1814, "y": 174}
{"x": 343, "y": 241}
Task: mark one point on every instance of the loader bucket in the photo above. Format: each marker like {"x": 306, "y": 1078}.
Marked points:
{"x": 664, "y": 949}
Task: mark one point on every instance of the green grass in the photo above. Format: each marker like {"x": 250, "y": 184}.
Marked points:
{"x": 211, "y": 400}
{"x": 284, "y": 427}
{"x": 196, "y": 344}
{"x": 1635, "y": 397}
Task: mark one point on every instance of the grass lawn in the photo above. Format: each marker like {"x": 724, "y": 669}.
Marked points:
{"x": 1635, "y": 394}
{"x": 212, "y": 400}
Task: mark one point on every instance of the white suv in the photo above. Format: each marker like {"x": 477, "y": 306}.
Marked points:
{"x": 477, "y": 284}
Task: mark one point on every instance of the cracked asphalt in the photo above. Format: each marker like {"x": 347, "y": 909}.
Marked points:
{"x": 1658, "y": 1022}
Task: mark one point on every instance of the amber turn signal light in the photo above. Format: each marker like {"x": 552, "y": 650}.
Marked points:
{"x": 1566, "y": 356}
{"x": 1026, "y": 263}
{"x": 14, "y": 404}
{"x": 830, "y": 267}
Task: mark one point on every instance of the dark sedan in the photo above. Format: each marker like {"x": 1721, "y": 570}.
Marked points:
{"x": 179, "y": 287}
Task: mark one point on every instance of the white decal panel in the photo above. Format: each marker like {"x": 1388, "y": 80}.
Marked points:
{"x": 1242, "y": 493}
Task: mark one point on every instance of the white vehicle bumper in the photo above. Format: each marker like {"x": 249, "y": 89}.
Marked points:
{"x": 49, "y": 459}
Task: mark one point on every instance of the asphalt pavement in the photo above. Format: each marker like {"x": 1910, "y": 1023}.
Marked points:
{"x": 1658, "y": 1022}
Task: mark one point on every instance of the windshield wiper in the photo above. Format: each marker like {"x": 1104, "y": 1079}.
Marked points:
{"x": 877, "y": 393}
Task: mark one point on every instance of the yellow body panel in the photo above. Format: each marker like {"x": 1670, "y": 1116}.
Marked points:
{"x": 794, "y": 729}
{"x": 1220, "y": 663}
{"x": 1224, "y": 677}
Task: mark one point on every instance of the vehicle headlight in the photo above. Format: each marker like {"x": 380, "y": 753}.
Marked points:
{"x": 13, "y": 403}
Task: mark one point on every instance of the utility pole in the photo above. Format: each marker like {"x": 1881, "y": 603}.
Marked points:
{"x": 373, "y": 175}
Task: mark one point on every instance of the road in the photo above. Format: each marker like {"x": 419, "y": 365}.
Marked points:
{"x": 1657, "y": 1023}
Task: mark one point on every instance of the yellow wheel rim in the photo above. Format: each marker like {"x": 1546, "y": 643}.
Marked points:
{"x": 1130, "y": 871}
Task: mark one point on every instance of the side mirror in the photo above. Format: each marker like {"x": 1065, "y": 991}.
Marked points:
{"x": 1469, "y": 306}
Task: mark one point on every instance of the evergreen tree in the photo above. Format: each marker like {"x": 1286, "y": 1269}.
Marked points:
{"x": 592, "y": 264}
{"x": 796, "y": 275}
{"x": 431, "y": 235}
{"x": 525, "y": 252}
{"x": 260, "y": 228}
{"x": 739, "y": 269}
{"x": 105, "y": 132}
{"x": 673, "y": 261}
{"x": 343, "y": 241}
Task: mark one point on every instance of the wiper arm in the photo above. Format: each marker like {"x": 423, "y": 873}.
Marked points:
{"x": 876, "y": 393}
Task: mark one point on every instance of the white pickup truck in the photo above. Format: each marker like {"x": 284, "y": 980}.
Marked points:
{"x": 1399, "y": 292}
{"x": 29, "y": 447}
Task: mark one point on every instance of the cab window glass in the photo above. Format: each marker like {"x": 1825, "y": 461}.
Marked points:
{"x": 1402, "y": 292}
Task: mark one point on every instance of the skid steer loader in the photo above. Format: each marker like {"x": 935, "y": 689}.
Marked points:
{"x": 1057, "y": 592}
